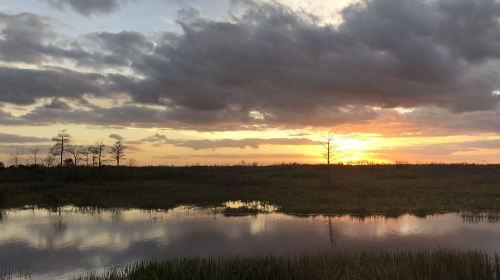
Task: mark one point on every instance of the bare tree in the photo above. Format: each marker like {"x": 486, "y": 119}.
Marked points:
{"x": 329, "y": 147}
{"x": 76, "y": 152}
{"x": 118, "y": 151}
{"x": 95, "y": 154}
{"x": 61, "y": 143}
{"x": 34, "y": 155}
{"x": 132, "y": 162}
{"x": 99, "y": 148}
{"x": 49, "y": 160}
{"x": 86, "y": 152}
{"x": 15, "y": 157}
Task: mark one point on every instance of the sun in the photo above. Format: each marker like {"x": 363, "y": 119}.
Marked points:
{"x": 355, "y": 149}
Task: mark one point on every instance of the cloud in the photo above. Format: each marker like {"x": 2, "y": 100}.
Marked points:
{"x": 242, "y": 143}
{"x": 105, "y": 49}
{"x": 116, "y": 137}
{"x": 25, "y": 37}
{"x": 453, "y": 151}
{"x": 445, "y": 122}
{"x": 153, "y": 139}
{"x": 255, "y": 143}
{"x": 251, "y": 156}
{"x": 30, "y": 38}
{"x": 286, "y": 69}
{"x": 269, "y": 66}
{"x": 8, "y": 119}
{"x": 88, "y": 7}
{"x": 12, "y": 138}
{"x": 25, "y": 86}
{"x": 255, "y": 156}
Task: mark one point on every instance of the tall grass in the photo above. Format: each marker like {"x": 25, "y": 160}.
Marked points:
{"x": 441, "y": 264}
{"x": 10, "y": 273}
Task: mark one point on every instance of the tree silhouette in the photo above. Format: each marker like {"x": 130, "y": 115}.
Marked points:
{"x": 15, "y": 157}
{"x": 61, "y": 142}
{"x": 34, "y": 155}
{"x": 76, "y": 152}
{"x": 49, "y": 160}
{"x": 329, "y": 147}
{"x": 132, "y": 162}
{"x": 69, "y": 162}
{"x": 98, "y": 148}
{"x": 118, "y": 151}
{"x": 86, "y": 152}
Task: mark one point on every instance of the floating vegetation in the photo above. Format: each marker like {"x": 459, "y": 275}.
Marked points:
{"x": 242, "y": 208}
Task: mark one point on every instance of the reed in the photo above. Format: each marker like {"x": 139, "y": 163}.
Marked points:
{"x": 440, "y": 264}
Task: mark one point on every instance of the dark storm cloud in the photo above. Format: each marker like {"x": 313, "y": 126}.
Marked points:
{"x": 8, "y": 119}
{"x": 88, "y": 7}
{"x": 116, "y": 137}
{"x": 112, "y": 49}
{"x": 478, "y": 21}
{"x": 153, "y": 139}
{"x": 273, "y": 66}
{"x": 23, "y": 37}
{"x": 31, "y": 38}
{"x": 24, "y": 86}
{"x": 255, "y": 143}
{"x": 444, "y": 122}
{"x": 12, "y": 138}
{"x": 129, "y": 115}
{"x": 284, "y": 65}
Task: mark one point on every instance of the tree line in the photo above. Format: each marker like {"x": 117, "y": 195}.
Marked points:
{"x": 64, "y": 152}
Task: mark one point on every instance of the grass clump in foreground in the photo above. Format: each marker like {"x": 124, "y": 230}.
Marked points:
{"x": 441, "y": 264}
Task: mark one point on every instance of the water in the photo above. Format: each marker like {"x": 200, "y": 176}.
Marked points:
{"x": 61, "y": 244}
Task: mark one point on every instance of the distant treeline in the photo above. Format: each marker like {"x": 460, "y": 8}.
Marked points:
{"x": 83, "y": 173}
{"x": 64, "y": 152}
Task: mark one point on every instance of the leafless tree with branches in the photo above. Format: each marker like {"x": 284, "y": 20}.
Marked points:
{"x": 15, "y": 157}
{"x": 98, "y": 149}
{"x": 49, "y": 160}
{"x": 61, "y": 143}
{"x": 132, "y": 162}
{"x": 76, "y": 153}
{"x": 86, "y": 152}
{"x": 329, "y": 148}
{"x": 118, "y": 151}
{"x": 34, "y": 155}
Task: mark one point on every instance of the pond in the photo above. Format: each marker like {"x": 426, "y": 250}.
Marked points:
{"x": 69, "y": 241}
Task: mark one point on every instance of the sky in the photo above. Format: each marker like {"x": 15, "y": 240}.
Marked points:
{"x": 224, "y": 81}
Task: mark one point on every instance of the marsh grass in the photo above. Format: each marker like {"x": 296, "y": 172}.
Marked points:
{"x": 303, "y": 189}
{"x": 10, "y": 273}
{"x": 441, "y": 264}
{"x": 482, "y": 217}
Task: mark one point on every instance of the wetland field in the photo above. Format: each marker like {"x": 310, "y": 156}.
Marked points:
{"x": 249, "y": 222}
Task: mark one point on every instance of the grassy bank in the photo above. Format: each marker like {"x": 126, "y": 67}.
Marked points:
{"x": 392, "y": 190}
{"x": 403, "y": 265}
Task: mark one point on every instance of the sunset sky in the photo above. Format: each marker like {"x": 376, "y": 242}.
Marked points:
{"x": 221, "y": 81}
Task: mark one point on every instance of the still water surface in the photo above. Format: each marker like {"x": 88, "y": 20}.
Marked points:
{"x": 63, "y": 243}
